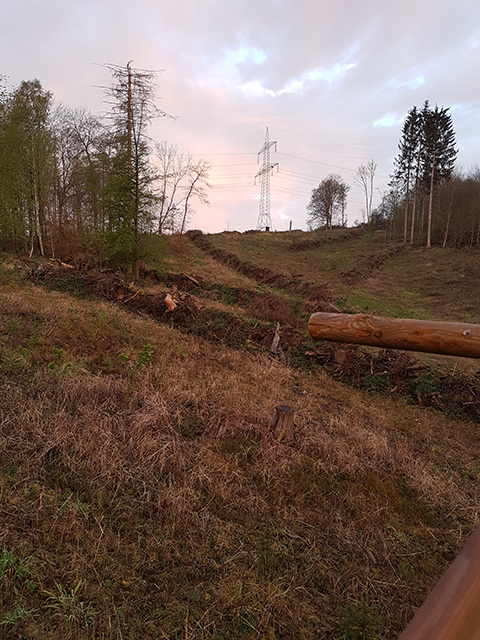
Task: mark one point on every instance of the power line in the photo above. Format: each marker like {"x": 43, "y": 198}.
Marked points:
{"x": 322, "y": 140}
{"x": 222, "y": 154}
{"x": 234, "y": 175}
{"x": 325, "y": 164}
{"x": 296, "y": 192}
{"x": 241, "y": 164}
{"x": 334, "y": 166}
{"x": 232, "y": 186}
{"x": 303, "y": 175}
{"x": 300, "y": 180}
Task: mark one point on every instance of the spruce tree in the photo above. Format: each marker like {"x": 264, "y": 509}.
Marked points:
{"x": 439, "y": 153}
{"x": 426, "y": 159}
{"x": 407, "y": 161}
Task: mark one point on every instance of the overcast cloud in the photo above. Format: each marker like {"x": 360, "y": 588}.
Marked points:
{"x": 333, "y": 81}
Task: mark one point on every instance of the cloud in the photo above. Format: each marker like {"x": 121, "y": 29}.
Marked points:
{"x": 411, "y": 79}
{"x": 329, "y": 76}
{"x": 388, "y": 120}
{"x": 333, "y": 80}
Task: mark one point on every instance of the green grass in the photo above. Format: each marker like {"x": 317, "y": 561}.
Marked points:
{"x": 417, "y": 283}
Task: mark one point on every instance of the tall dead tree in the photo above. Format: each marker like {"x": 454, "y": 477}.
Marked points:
{"x": 130, "y": 194}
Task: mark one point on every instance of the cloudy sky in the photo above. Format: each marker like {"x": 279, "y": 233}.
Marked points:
{"x": 332, "y": 79}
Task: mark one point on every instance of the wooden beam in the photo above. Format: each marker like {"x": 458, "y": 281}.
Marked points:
{"x": 450, "y": 338}
{"x": 452, "y": 611}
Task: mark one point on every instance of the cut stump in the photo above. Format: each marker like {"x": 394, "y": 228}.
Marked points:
{"x": 283, "y": 427}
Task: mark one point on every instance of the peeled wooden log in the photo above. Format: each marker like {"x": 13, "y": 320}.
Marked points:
{"x": 452, "y": 611}
{"x": 449, "y": 338}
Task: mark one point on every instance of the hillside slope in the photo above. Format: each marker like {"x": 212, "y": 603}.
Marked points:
{"x": 143, "y": 493}
{"x": 437, "y": 284}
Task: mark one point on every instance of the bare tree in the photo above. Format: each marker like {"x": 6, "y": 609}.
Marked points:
{"x": 388, "y": 209}
{"x": 76, "y": 136}
{"x": 180, "y": 179}
{"x": 172, "y": 170}
{"x": 196, "y": 188}
{"x": 450, "y": 188}
{"x": 364, "y": 179}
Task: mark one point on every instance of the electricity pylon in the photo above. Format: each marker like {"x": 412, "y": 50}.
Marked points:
{"x": 264, "y": 222}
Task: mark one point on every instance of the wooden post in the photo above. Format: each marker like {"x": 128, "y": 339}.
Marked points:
{"x": 452, "y": 611}
{"x": 450, "y": 338}
{"x": 283, "y": 427}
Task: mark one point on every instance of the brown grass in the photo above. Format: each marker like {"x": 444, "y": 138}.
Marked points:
{"x": 157, "y": 483}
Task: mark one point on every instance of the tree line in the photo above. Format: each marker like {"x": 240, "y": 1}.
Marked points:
{"x": 428, "y": 201}
{"x": 75, "y": 183}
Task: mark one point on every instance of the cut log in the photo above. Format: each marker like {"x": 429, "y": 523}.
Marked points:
{"x": 449, "y": 338}
{"x": 283, "y": 427}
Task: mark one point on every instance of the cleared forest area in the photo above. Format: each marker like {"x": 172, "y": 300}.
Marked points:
{"x": 143, "y": 493}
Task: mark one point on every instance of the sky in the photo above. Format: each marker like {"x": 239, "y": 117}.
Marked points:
{"x": 331, "y": 79}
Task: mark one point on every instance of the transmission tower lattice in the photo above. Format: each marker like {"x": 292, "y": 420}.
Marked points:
{"x": 264, "y": 222}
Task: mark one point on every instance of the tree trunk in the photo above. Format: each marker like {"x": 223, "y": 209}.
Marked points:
{"x": 405, "y": 224}
{"x": 187, "y": 197}
{"x": 38, "y": 230}
{"x": 430, "y": 205}
{"x": 414, "y": 210}
{"x": 453, "y": 188}
{"x": 447, "y": 227}
{"x": 422, "y": 224}
{"x": 451, "y": 609}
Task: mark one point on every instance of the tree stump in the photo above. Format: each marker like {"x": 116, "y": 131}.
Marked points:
{"x": 283, "y": 427}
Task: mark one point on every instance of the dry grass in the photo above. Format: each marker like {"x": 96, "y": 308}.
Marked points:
{"x": 184, "y": 256}
{"x": 144, "y": 495}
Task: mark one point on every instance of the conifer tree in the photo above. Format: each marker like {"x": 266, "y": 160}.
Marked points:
{"x": 408, "y": 160}
{"x": 426, "y": 158}
{"x": 439, "y": 153}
